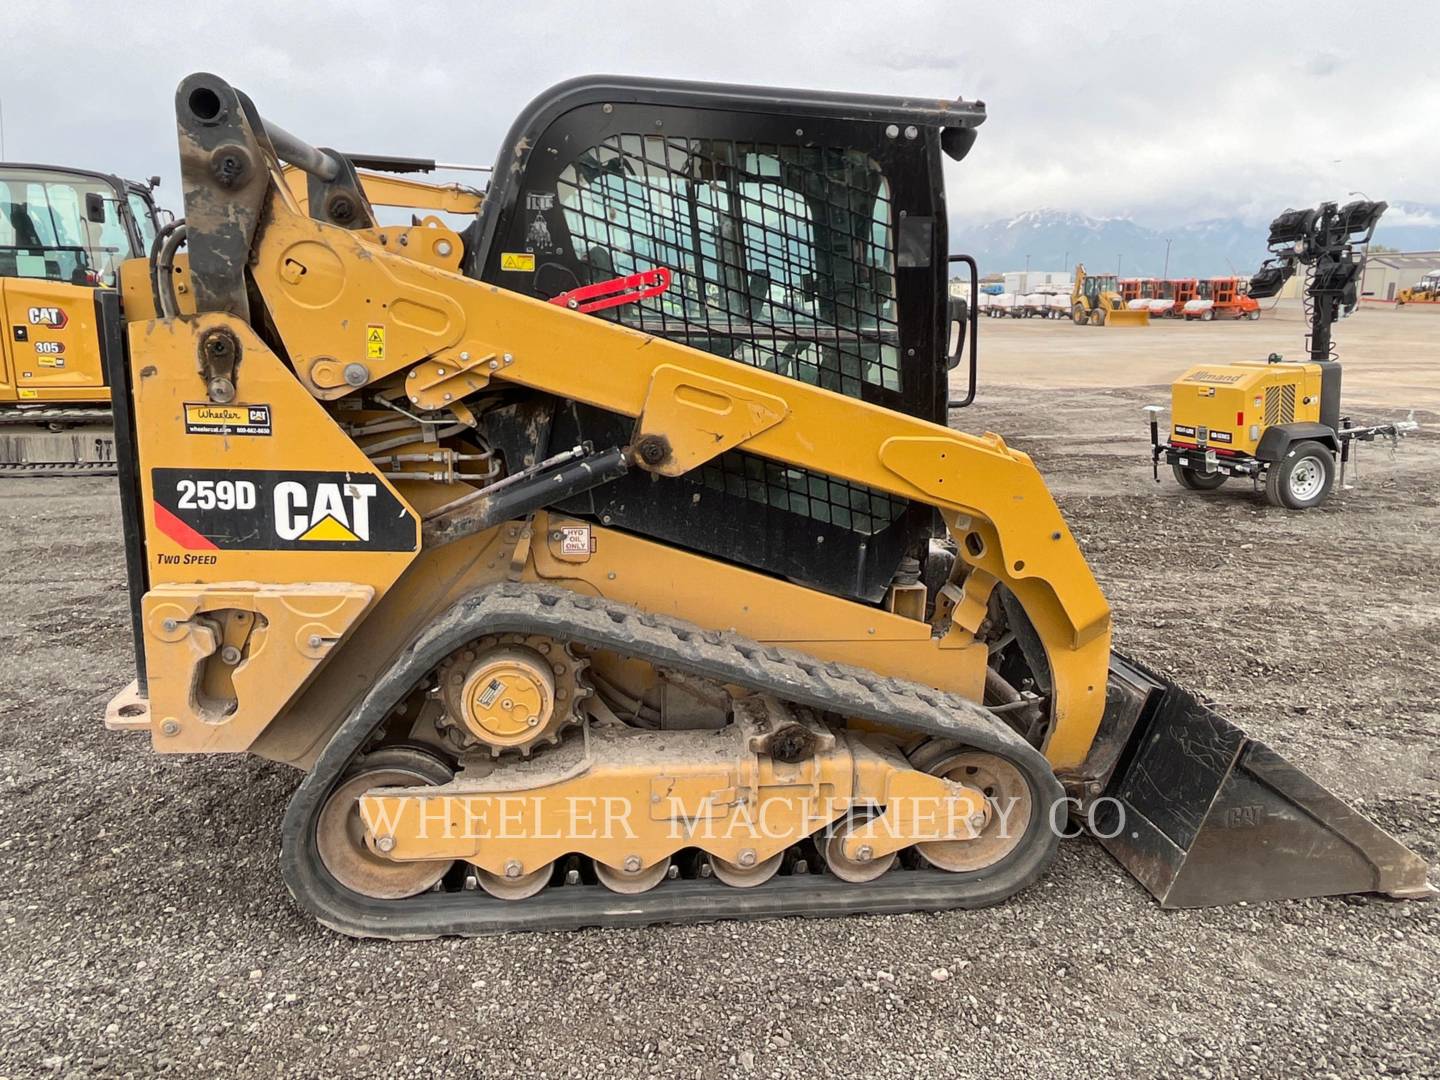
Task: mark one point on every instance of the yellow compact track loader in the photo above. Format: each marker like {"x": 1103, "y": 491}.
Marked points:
{"x": 64, "y": 234}
{"x": 1095, "y": 300}
{"x": 609, "y": 561}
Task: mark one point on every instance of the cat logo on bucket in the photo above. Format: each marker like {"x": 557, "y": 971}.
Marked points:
{"x": 339, "y": 512}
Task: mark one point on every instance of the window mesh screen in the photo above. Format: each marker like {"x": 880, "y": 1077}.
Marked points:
{"x": 782, "y": 257}
{"x": 815, "y": 495}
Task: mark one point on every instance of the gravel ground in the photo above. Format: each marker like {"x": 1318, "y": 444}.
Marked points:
{"x": 146, "y": 929}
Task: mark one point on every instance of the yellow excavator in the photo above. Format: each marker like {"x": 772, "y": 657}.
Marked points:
{"x": 63, "y": 236}
{"x": 609, "y": 561}
{"x": 1095, "y": 300}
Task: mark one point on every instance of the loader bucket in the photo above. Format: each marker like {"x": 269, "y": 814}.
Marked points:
{"x": 1202, "y": 814}
{"x": 1127, "y": 317}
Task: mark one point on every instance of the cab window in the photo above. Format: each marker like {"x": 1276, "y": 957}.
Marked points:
{"x": 783, "y": 257}
{"x": 46, "y": 233}
{"x": 144, "y": 215}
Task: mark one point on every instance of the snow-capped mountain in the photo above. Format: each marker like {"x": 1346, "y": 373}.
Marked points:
{"x": 1058, "y": 239}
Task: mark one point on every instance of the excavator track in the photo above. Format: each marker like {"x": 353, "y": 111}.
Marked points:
{"x": 572, "y": 900}
{"x": 42, "y": 425}
{"x": 60, "y": 416}
{"x": 56, "y": 468}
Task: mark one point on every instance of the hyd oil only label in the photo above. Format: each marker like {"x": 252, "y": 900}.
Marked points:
{"x": 207, "y": 419}
{"x": 273, "y": 510}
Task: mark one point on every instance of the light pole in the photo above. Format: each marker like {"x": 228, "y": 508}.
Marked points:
{"x": 1119, "y": 260}
{"x": 1165, "y": 274}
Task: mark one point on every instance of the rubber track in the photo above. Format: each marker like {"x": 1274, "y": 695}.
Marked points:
{"x": 792, "y": 676}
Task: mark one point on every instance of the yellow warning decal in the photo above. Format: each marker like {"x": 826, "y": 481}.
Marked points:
{"x": 24, "y": 393}
{"x": 374, "y": 342}
{"x": 517, "y": 260}
{"x": 327, "y": 528}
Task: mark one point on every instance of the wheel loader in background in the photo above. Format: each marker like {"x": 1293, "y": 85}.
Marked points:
{"x": 1096, "y": 301}
{"x": 1424, "y": 291}
{"x": 611, "y": 562}
{"x": 63, "y": 235}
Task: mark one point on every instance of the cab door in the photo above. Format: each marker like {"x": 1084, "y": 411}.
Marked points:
{"x": 52, "y": 346}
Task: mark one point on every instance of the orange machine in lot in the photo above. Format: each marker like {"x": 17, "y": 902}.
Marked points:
{"x": 1171, "y": 296}
{"x": 1221, "y": 298}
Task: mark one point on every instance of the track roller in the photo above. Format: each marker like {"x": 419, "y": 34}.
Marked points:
{"x": 517, "y": 887}
{"x": 632, "y": 882}
{"x": 746, "y": 877}
{"x": 853, "y": 870}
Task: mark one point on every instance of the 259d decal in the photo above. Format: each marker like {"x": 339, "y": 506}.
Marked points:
{"x": 273, "y": 510}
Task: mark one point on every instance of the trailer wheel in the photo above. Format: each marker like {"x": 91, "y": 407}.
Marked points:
{"x": 1303, "y": 478}
{"x": 1078, "y": 316}
{"x": 1207, "y": 315}
{"x": 1196, "y": 480}
{"x": 1253, "y": 315}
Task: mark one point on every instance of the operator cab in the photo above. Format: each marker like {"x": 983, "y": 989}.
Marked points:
{"x": 70, "y": 225}
{"x": 805, "y": 234}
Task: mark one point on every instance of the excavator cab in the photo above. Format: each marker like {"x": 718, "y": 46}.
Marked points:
{"x": 63, "y": 236}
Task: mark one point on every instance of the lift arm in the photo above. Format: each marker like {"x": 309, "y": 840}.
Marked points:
{"x": 328, "y": 291}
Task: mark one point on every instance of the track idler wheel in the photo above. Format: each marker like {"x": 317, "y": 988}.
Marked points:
{"x": 1012, "y": 811}
{"x": 340, "y": 832}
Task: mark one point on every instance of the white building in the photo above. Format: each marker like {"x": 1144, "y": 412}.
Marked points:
{"x": 1021, "y": 281}
{"x": 1387, "y": 272}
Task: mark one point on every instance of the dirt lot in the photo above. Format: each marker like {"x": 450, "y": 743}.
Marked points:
{"x": 146, "y": 928}
{"x": 1390, "y": 353}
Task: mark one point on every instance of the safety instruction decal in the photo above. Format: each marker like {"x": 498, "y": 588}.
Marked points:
{"x": 204, "y": 418}
{"x": 523, "y": 261}
{"x": 279, "y": 510}
{"x": 576, "y": 540}
{"x": 374, "y": 342}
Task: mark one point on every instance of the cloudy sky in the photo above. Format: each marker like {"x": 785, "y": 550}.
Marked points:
{"x": 1164, "y": 112}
